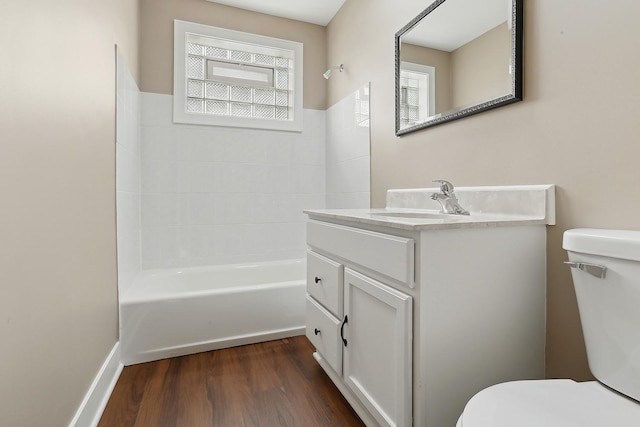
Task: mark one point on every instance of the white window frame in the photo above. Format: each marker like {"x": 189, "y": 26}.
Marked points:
{"x": 180, "y": 115}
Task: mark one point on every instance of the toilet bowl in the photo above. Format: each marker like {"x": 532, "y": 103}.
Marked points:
{"x": 606, "y": 275}
{"x": 550, "y": 403}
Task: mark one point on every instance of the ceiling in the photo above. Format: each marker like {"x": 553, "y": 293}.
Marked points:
{"x": 451, "y": 25}
{"x": 314, "y": 11}
{"x": 457, "y": 22}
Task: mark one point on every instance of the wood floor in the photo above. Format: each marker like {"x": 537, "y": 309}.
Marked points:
{"x": 272, "y": 384}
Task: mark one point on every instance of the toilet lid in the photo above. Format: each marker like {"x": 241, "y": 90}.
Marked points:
{"x": 550, "y": 403}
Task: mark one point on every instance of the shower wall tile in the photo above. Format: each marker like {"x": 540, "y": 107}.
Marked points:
{"x": 349, "y": 200}
{"x": 128, "y": 169}
{"x": 163, "y": 210}
{"x": 164, "y": 147}
{"x": 214, "y": 195}
{"x": 348, "y": 152}
{"x": 307, "y": 179}
{"x": 279, "y": 151}
{"x": 195, "y": 145}
{"x": 127, "y": 175}
{"x": 128, "y": 220}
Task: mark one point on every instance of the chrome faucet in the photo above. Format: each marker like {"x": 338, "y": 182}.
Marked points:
{"x": 447, "y": 199}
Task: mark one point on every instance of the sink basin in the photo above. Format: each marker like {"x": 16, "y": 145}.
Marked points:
{"x": 418, "y": 215}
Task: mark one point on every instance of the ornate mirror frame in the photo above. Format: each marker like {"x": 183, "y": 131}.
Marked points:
{"x": 458, "y": 113}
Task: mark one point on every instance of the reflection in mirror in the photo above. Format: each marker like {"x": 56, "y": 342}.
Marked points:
{"x": 457, "y": 58}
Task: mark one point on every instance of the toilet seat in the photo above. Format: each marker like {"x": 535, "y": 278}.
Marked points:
{"x": 549, "y": 403}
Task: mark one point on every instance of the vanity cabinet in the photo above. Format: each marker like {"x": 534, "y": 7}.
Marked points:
{"x": 410, "y": 322}
{"x": 361, "y": 326}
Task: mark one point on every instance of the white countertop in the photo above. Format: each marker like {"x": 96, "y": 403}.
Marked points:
{"x": 377, "y": 217}
{"x": 492, "y": 206}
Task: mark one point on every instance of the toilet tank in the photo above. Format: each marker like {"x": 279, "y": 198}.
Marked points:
{"x": 610, "y": 305}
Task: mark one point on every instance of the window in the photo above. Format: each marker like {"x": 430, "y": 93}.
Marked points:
{"x": 362, "y": 107}
{"x": 230, "y": 78}
{"x": 417, "y": 93}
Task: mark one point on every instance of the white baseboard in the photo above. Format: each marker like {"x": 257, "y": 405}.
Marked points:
{"x": 94, "y": 402}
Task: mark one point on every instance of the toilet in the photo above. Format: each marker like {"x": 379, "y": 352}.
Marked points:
{"x": 605, "y": 266}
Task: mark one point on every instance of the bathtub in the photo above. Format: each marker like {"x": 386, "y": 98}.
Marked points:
{"x": 168, "y": 313}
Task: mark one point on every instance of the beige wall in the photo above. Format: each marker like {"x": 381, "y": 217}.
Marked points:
{"x": 578, "y": 127}
{"x": 441, "y": 61}
{"x": 58, "y": 310}
{"x": 156, "y": 41}
{"x": 480, "y": 68}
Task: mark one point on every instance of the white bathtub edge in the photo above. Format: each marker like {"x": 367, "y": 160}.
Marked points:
{"x": 129, "y": 300}
{"x": 90, "y": 410}
{"x": 183, "y": 350}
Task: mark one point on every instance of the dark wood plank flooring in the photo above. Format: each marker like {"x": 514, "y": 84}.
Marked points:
{"x": 271, "y": 384}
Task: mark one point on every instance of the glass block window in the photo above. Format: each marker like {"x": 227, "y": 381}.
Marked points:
{"x": 417, "y": 93}
{"x": 409, "y": 101}
{"x": 246, "y": 82}
{"x": 229, "y": 78}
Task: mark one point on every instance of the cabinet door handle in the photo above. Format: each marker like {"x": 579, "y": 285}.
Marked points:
{"x": 346, "y": 319}
{"x": 316, "y": 331}
{"x": 317, "y": 279}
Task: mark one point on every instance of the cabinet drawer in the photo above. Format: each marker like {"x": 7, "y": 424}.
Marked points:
{"x": 323, "y": 330}
{"x": 324, "y": 282}
{"x": 390, "y": 255}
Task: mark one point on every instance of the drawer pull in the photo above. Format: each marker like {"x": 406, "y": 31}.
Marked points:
{"x": 344, "y": 341}
{"x": 317, "y": 279}
{"x": 316, "y": 331}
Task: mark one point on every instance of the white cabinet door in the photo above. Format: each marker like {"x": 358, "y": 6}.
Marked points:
{"x": 377, "y": 340}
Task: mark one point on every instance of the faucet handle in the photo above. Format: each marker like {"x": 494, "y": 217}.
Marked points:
{"x": 445, "y": 186}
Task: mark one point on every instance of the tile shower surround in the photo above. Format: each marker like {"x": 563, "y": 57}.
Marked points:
{"x": 348, "y": 154}
{"x": 196, "y": 195}
{"x": 213, "y": 195}
{"x": 127, "y": 175}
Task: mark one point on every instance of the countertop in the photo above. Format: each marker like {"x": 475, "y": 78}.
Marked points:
{"x": 377, "y": 217}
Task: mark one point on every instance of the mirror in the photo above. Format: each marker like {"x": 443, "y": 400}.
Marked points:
{"x": 455, "y": 59}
